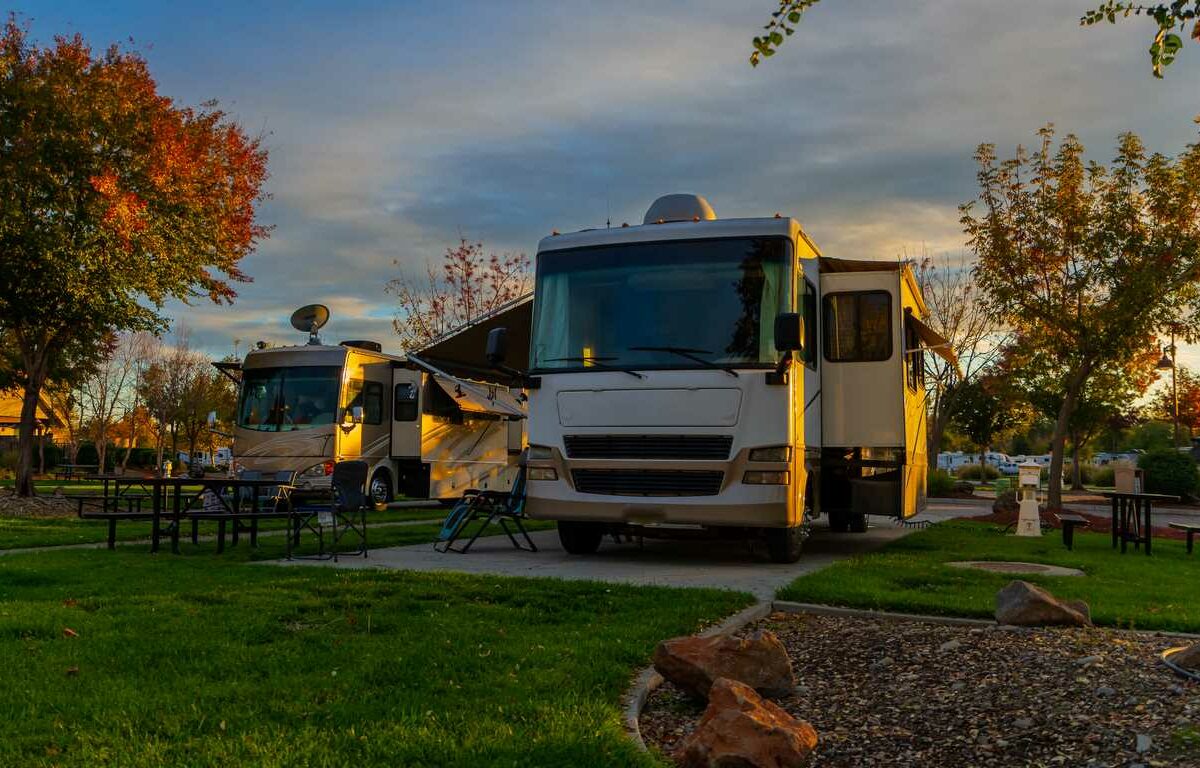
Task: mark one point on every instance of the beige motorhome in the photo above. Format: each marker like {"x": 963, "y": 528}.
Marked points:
{"x": 720, "y": 374}
{"x": 426, "y": 432}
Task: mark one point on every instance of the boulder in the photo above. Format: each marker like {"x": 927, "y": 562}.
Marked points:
{"x": 1188, "y": 658}
{"x": 740, "y": 729}
{"x": 759, "y": 660}
{"x": 1024, "y": 604}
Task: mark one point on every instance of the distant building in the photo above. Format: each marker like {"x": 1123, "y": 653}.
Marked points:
{"x": 49, "y": 422}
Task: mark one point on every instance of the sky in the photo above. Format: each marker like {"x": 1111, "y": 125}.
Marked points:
{"x": 394, "y": 129}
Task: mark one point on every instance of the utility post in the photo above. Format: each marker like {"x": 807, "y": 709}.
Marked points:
{"x": 1168, "y": 361}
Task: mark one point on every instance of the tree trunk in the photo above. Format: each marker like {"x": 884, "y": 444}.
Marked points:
{"x": 1076, "y": 472}
{"x": 1058, "y": 442}
{"x": 35, "y": 377}
{"x": 42, "y": 451}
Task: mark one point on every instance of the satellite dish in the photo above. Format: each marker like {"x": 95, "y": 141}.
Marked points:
{"x": 310, "y": 319}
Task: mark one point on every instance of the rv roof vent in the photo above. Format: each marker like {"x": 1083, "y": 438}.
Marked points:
{"x": 370, "y": 346}
{"x": 679, "y": 208}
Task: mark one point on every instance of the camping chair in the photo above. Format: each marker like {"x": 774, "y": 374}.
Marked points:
{"x": 490, "y": 506}
{"x": 272, "y": 498}
{"x": 346, "y": 516}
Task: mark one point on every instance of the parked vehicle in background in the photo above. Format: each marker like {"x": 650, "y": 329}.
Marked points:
{"x": 715, "y": 375}
{"x": 425, "y": 432}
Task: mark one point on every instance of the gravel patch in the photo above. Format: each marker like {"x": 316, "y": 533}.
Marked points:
{"x": 48, "y": 505}
{"x": 917, "y": 694}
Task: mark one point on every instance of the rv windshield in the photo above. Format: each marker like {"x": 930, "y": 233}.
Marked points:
{"x": 284, "y": 399}
{"x": 633, "y": 306}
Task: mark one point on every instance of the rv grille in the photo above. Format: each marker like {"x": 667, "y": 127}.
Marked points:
{"x": 700, "y": 447}
{"x": 634, "y": 482}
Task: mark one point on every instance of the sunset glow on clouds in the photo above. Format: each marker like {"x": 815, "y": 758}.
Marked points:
{"x": 394, "y": 129}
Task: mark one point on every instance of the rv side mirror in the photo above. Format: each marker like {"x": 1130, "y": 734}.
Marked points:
{"x": 497, "y": 346}
{"x": 212, "y": 419}
{"x": 356, "y": 413}
{"x": 789, "y": 332}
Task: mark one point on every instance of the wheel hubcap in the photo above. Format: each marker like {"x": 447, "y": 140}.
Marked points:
{"x": 379, "y": 489}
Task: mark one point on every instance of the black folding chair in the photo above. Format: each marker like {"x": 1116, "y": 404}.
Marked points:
{"x": 491, "y": 507}
{"x": 346, "y": 515}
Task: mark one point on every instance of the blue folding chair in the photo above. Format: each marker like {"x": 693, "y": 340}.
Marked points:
{"x": 490, "y": 507}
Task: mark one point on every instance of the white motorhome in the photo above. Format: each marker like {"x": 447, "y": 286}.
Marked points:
{"x": 720, "y": 374}
{"x": 426, "y": 432}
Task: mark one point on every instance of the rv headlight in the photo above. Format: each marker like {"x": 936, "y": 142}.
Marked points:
{"x": 543, "y": 473}
{"x": 767, "y": 478}
{"x": 774, "y": 453}
{"x": 318, "y": 470}
{"x": 541, "y": 453}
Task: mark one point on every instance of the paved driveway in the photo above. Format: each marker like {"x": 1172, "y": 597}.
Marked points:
{"x": 723, "y": 565}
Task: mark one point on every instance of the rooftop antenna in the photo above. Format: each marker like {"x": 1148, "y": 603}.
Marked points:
{"x": 311, "y": 318}
{"x": 607, "y": 210}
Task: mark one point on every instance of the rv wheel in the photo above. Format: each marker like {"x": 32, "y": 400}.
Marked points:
{"x": 381, "y": 487}
{"x": 858, "y": 523}
{"x": 784, "y": 544}
{"x": 839, "y": 522}
{"x": 580, "y": 538}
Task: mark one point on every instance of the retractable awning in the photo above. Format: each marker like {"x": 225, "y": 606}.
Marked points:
{"x": 934, "y": 342}
{"x": 474, "y": 396}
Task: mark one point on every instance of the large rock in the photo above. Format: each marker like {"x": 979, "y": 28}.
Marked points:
{"x": 758, "y": 660}
{"x": 740, "y": 729}
{"x": 1024, "y": 604}
{"x": 1189, "y": 657}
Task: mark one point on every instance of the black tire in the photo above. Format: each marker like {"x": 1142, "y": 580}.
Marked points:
{"x": 580, "y": 538}
{"x": 785, "y": 544}
{"x": 380, "y": 488}
{"x": 858, "y": 523}
{"x": 839, "y": 522}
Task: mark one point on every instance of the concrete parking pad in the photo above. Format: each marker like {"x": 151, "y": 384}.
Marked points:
{"x": 732, "y": 565}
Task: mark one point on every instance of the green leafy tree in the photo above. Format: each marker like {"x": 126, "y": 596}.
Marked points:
{"x": 989, "y": 409}
{"x": 1170, "y": 17}
{"x": 113, "y": 199}
{"x": 1085, "y": 262}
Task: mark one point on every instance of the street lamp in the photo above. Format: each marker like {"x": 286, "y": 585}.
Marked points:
{"x": 1167, "y": 361}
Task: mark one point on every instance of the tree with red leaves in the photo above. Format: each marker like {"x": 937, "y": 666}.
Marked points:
{"x": 113, "y": 199}
{"x": 469, "y": 284}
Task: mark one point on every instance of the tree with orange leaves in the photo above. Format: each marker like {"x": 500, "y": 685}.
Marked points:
{"x": 1085, "y": 263}
{"x": 1188, "y": 383}
{"x": 113, "y": 199}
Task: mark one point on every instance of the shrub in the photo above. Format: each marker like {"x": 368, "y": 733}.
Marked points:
{"x": 978, "y": 472}
{"x": 940, "y": 483}
{"x": 1104, "y": 477}
{"x": 1169, "y": 471}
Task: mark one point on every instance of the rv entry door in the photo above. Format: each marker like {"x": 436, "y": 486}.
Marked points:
{"x": 406, "y": 413}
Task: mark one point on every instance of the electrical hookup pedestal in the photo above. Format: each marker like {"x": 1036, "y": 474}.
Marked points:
{"x": 1029, "y": 522}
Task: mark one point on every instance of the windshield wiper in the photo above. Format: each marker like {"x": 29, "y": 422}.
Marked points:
{"x": 595, "y": 362}
{"x": 690, "y": 354}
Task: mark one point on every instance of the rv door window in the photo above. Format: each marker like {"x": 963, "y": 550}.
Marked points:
{"x": 914, "y": 355}
{"x": 808, "y": 308}
{"x": 858, "y": 326}
{"x": 404, "y": 405}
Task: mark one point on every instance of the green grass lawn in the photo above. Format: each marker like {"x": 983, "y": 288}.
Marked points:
{"x": 202, "y": 660}
{"x": 17, "y": 532}
{"x": 1131, "y": 590}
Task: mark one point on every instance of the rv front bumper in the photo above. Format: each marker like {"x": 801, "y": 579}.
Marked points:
{"x": 641, "y": 511}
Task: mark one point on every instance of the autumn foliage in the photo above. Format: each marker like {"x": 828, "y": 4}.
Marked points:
{"x": 113, "y": 199}
{"x": 468, "y": 284}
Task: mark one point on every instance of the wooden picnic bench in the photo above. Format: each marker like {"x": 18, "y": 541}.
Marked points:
{"x": 1190, "y": 529}
{"x": 110, "y": 512}
{"x": 1069, "y": 523}
{"x": 73, "y": 471}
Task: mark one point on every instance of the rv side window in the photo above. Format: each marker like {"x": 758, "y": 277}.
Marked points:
{"x": 404, "y": 406}
{"x": 808, "y": 308}
{"x": 914, "y": 358}
{"x": 372, "y": 403}
{"x": 858, "y": 326}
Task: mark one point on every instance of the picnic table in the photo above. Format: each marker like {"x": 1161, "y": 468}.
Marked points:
{"x": 1132, "y": 517}
{"x": 172, "y": 500}
{"x": 74, "y": 471}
